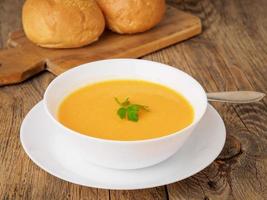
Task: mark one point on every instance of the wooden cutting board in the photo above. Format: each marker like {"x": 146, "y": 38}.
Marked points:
{"x": 24, "y": 59}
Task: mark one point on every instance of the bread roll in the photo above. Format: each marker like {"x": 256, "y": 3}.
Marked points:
{"x": 132, "y": 16}
{"x": 62, "y": 23}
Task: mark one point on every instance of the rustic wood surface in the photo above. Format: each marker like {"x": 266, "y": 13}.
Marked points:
{"x": 231, "y": 54}
{"x": 26, "y": 59}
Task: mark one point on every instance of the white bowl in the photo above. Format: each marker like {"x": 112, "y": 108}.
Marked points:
{"x": 123, "y": 154}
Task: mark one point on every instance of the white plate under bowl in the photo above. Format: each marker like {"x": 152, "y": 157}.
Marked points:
{"x": 39, "y": 140}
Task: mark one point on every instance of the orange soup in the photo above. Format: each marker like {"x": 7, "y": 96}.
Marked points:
{"x": 93, "y": 110}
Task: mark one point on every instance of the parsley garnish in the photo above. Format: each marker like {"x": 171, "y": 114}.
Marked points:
{"x": 129, "y": 110}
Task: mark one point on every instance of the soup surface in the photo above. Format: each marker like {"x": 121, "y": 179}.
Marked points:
{"x": 92, "y": 110}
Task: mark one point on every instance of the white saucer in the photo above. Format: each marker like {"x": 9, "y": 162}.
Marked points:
{"x": 38, "y": 138}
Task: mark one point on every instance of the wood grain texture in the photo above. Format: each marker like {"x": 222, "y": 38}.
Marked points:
{"x": 27, "y": 59}
{"x": 231, "y": 54}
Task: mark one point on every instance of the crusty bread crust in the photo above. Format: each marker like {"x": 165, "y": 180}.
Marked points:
{"x": 132, "y": 16}
{"x": 62, "y": 23}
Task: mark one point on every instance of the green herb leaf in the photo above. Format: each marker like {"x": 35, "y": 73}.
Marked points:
{"x": 122, "y": 112}
{"x": 132, "y": 115}
{"x": 131, "y": 110}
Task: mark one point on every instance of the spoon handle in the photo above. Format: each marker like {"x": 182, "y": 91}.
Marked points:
{"x": 236, "y": 96}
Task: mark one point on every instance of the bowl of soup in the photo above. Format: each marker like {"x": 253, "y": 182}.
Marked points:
{"x": 124, "y": 113}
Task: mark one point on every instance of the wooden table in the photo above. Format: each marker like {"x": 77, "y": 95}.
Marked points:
{"x": 231, "y": 54}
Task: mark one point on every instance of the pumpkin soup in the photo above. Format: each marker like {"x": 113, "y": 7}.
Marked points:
{"x": 125, "y": 110}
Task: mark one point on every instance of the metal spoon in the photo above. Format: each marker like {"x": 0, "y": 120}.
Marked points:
{"x": 236, "y": 96}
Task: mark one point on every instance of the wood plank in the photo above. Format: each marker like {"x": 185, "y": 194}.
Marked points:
{"x": 229, "y": 177}
{"x": 148, "y": 194}
{"x": 10, "y": 18}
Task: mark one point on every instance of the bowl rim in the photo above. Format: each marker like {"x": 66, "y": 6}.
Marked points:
{"x": 87, "y": 137}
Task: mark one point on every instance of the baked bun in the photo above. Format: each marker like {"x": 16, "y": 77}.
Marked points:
{"x": 132, "y": 16}
{"x": 62, "y": 23}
